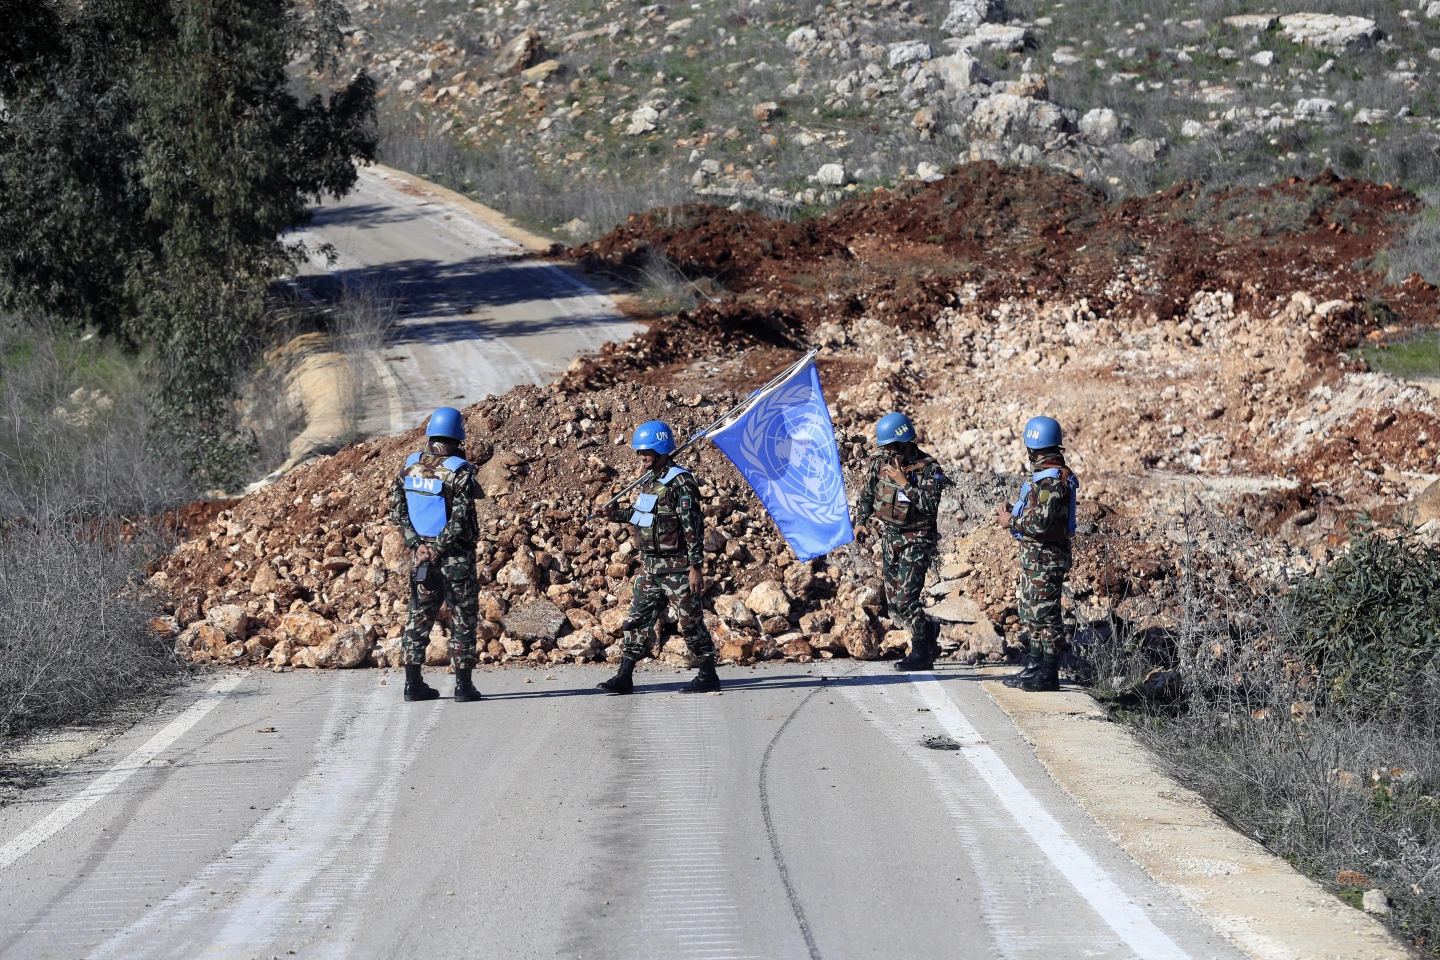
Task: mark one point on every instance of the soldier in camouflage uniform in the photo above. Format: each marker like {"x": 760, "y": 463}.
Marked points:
{"x": 433, "y": 504}
{"x": 1043, "y": 520}
{"x": 902, "y": 494}
{"x": 670, "y": 531}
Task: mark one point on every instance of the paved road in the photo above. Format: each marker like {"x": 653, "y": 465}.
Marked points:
{"x": 803, "y": 813}
{"x": 476, "y": 321}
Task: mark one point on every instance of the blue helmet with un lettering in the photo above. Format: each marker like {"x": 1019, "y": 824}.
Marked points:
{"x": 446, "y": 422}
{"x": 1042, "y": 433}
{"x": 655, "y": 435}
{"x": 894, "y": 428}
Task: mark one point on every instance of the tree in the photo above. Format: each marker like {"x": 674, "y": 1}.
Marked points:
{"x": 151, "y": 161}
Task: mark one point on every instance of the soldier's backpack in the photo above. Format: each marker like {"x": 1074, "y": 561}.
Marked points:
{"x": 428, "y": 487}
{"x": 1051, "y": 474}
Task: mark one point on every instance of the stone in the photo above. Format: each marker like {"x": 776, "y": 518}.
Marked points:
{"x": 520, "y": 573}
{"x": 1146, "y": 150}
{"x": 733, "y": 609}
{"x": 1315, "y": 109}
{"x": 1375, "y": 901}
{"x": 538, "y": 620}
{"x": 1007, "y": 117}
{"x": 908, "y": 51}
{"x": 801, "y": 38}
{"x": 280, "y": 653}
{"x": 493, "y": 607}
{"x": 1432, "y": 10}
{"x": 997, "y": 36}
{"x": 521, "y": 52}
{"x": 965, "y": 16}
{"x": 816, "y": 622}
{"x": 1366, "y": 117}
{"x": 543, "y": 70}
{"x": 1263, "y": 59}
{"x": 352, "y": 648}
{"x": 1426, "y": 506}
{"x": 765, "y": 112}
{"x": 797, "y": 649}
{"x": 869, "y": 599}
{"x": 494, "y": 477}
{"x": 1100, "y": 125}
{"x": 201, "y": 639}
{"x": 737, "y": 551}
{"x": 768, "y": 599}
{"x": 1192, "y": 129}
{"x": 576, "y": 228}
{"x": 305, "y": 628}
{"x": 957, "y": 71}
{"x": 774, "y": 626}
{"x": 437, "y": 651}
{"x": 679, "y": 26}
{"x": 858, "y": 635}
{"x": 928, "y": 172}
{"x": 612, "y": 620}
{"x": 800, "y": 581}
{"x": 584, "y": 644}
{"x": 714, "y": 541}
{"x": 736, "y": 651}
{"x": 1252, "y": 22}
{"x": 832, "y": 175}
{"x": 393, "y": 552}
{"x": 895, "y": 643}
{"x": 642, "y": 120}
{"x": 266, "y": 578}
{"x": 1330, "y": 31}
{"x": 230, "y": 619}
{"x": 958, "y": 609}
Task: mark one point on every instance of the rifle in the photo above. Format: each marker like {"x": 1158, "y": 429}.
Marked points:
{"x": 704, "y": 431}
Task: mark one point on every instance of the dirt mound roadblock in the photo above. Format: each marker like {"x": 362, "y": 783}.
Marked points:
{"x": 1198, "y": 349}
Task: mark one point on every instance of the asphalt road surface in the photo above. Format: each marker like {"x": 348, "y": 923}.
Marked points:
{"x": 476, "y": 319}
{"x": 831, "y": 811}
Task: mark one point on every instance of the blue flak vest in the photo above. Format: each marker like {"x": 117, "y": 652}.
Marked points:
{"x": 425, "y": 496}
{"x": 643, "y": 513}
{"x": 1050, "y": 474}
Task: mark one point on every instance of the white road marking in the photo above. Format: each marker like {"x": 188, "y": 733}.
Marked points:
{"x": 1123, "y": 915}
{"x": 110, "y": 780}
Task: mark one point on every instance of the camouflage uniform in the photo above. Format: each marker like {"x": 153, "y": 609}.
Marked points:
{"x": 1042, "y": 526}
{"x": 907, "y": 529}
{"x": 456, "y": 583}
{"x": 670, "y": 545}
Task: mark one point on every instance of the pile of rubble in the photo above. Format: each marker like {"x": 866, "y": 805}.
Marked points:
{"x": 1209, "y": 382}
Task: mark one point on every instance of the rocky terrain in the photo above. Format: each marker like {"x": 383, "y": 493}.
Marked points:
{"x": 1203, "y": 353}
{"x": 562, "y": 111}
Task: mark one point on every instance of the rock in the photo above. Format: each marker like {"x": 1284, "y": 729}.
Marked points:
{"x": 612, "y": 620}
{"x": 1252, "y": 22}
{"x": 828, "y": 643}
{"x": 394, "y": 553}
{"x": 928, "y": 172}
{"x": 796, "y": 649}
{"x": 1263, "y": 59}
{"x": 493, "y": 608}
{"x": 1006, "y": 117}
{"x": 584, "y": 644}
{"x": 869, "y": 599}
{"x": 538, "y": 620}
{"x": 266, "y": 577}
{"x": 765, "y": 112}
{"x": 1427, "y": 505}
{"x": 642, "y": 120}
{"x": 543, "y": 70}
{"x": 908, "y": 51}
{"x": 958, "y": 609}
{"x": 493, "y": 478}
{"x": 858, "y": 636}
{"x": 800, "y": 581}
{"x": 230, "y": 619}
{"x": 280, "y": 653}
{"x": 521, "y": 573}
{"x": 437, "y": 651}
{"x": 958, "y": 71}
{"x": 1366, "y": 117}
{"x": 1160, "y": 684}
{"x": 737, "y": 551}
{"x": 352, "y": 648}
{"x": 576, "y": 228}
{"x": 679, "y": 26}
{"x": 996, "y": 36}
{"x": 714, "y": 541}
{"x": 736, "y": 651}
{"x": 1100, "y": 125}
{"x": 768, "y": 599}
{"x": 774, "y": 626}
{"x": 1192, "y": 129}
{"x": 1330, "y": 31}
{"x": 733, "y": 609}
{"x": 201, "y": 640}
{"x": 306, "y": 629}
{"x": 895, "y": 643}
{"x": 1146, "y": 150}
{"x": 832, "y": 175}
{"x": 974, "y": 641}
{"x": 1315, "y": 108}
{"x": 801, "y": 38}
{"x": 966, "y": 16}
{"x": 816, "y": 622}
{"x": 1432, "y": 10}
{"x": 1375, "y": 901}
{"x": 519, "y": 53}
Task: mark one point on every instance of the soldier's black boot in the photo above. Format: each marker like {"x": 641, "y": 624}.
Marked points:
{"x": 1032, "y": 664}
{"x": 415, "y": 686}
{"x": 465, "y": 691}
{"x": 621, "y": 682}
{"x": 1045, "y": 679}
{"x": 706, "y": 681}
{"x": 922, "y": 653}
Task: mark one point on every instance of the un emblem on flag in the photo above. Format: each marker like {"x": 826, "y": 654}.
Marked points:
{"x": 788, "y": 440}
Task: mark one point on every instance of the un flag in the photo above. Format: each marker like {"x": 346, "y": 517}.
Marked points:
{"x": 784, "y": 445}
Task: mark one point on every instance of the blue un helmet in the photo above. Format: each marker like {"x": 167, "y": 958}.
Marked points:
{"x": 1041, "y": 433}
{"x": 446, "y": 422}
{"x": 894, "y": 428}
{"x": 655, "y": 435}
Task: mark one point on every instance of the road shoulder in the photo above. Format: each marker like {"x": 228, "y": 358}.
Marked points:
{"x": 1267, "y": 908}
{"x": 492, "y": 218}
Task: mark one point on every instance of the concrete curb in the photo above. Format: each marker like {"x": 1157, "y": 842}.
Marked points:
{"x": 1262, "y": 904}
{"x": 491, "y": 218}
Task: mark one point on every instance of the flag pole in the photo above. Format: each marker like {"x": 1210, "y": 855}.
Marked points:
{"x": 649, "y": 475}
